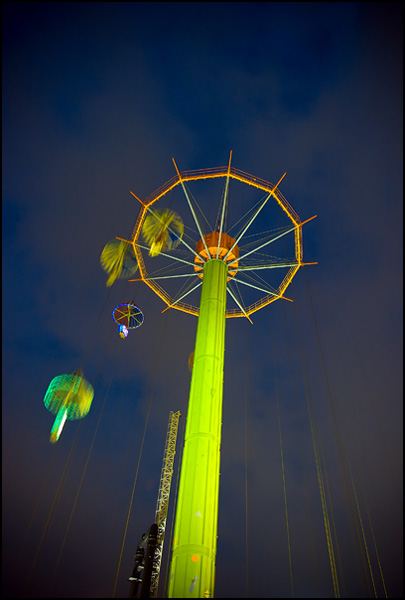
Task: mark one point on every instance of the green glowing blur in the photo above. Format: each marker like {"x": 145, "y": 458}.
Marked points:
{"x": 67, "y": 397}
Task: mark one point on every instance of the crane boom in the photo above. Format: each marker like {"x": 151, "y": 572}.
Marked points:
{"x": 163, "y": 498}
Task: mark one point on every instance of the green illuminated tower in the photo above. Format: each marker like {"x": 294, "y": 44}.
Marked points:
{"x": 216, "y": 262}
{"x": 195, "y": 535}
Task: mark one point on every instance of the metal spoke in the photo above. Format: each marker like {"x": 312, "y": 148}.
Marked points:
{"x": 201, "y": 211}
{"x": 166, "y": 270}
{"x": 270, "y": 241}
{"x": 192, "y": 210}
{"x": 252, "y": 219}
{"x": 263, "y": 245}
{"x": 247, "y": 226}
{"x": 260, "y": 240}
{"x": 224, "y": 205}
{"x": 184, "y": 295}
{"x": 191, "y": 238}
{"x": 271, "y": 266}
{"x": 243, "y": 217}
{"x": 256, "y": 279}
{"x": 187, "y": 262}
{"x": 171, "y": 230}
{"x": 261, "y": 289}
{"x": 165, "y": 277}
{"x": 238, "y": 303}
{"x": 263, "y": 234}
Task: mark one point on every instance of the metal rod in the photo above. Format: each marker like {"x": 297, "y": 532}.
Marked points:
{"x": 272, "y": 266}
{"x": 253, "y": 218}
{"x": 263, "y": 245}
{"x": 165, "y": 277}
{"x": 270, "y": 241}
{"x": 261, "y": 289}
{"x": 224, "y": 205}
{"x": 192, "y": 210}
{"x": 184, "y": 295}
{"x": 237, "y": 302}
{"x": 187, "y": 262}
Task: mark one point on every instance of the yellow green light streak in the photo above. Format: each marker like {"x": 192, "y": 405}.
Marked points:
{"x": 58, "y": 424}
{"x": 192, "y": 573}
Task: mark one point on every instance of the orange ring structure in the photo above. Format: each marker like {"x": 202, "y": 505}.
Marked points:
{"x": 226, "y": 241}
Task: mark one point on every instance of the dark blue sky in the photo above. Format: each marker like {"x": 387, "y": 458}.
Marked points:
{"x": 97, "y": 99}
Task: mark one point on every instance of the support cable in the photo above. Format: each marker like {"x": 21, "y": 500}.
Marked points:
{"x": 387, "y": 461}
{"x": 243, "y": 217}
{"x": 261, "y": 237}
{"x": 374, "y": 542}
{"x": 302, "y": 454}
{"x": 350, "y": 436}
{"x": 363, "y": 534}
{"x": 187, "y": 262}
{"x": 252, "y": 219}
{"x": 228, "y": 289}
{"x": 332, "y": 516}
{"x": 80, "y": 485}
{"x": 192, "y": 211}
{"x": 349, "y": 482}
{"x": 140, "y": 455}
{"x": 224, "y": 206}
{"x": 34, "y": 512}
{"x": 318, "y": 469}
{"x": 283, "y": 471}
{"x": 284, "y": 488}
{"x": 321, "y": 448}
{"x": 232, "y": 283}
{"x": 192, "y": 197}
{"x": 368, "y": 515}
{"x": 170, "y": 268}
{"x": 183, "y": 296}
{"x": 63, "y": 476}
{"x": 98, "y": 371}
{"x": 247, "y": 387}
{"x": 240, "y": 258}
{"x": 52, "y": 509}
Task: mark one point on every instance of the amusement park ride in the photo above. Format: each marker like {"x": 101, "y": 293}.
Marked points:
{"x": 220, "y": 264}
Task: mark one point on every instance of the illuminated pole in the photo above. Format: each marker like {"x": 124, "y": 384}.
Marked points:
{"x": 192, "y": 573}
{"x": 215, "y": 261}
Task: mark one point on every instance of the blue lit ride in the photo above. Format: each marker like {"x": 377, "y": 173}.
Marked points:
{"x": 127, "y": 316}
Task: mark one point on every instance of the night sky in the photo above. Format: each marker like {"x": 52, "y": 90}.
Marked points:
{"x": 97, "y": 99}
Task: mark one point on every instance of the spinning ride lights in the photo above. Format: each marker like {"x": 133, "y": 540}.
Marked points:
{"x": 118, "y": 260}
{"x": 127, "y": 316}
{"x": 162, "y": 230}
{"x": 69, "y": 397}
